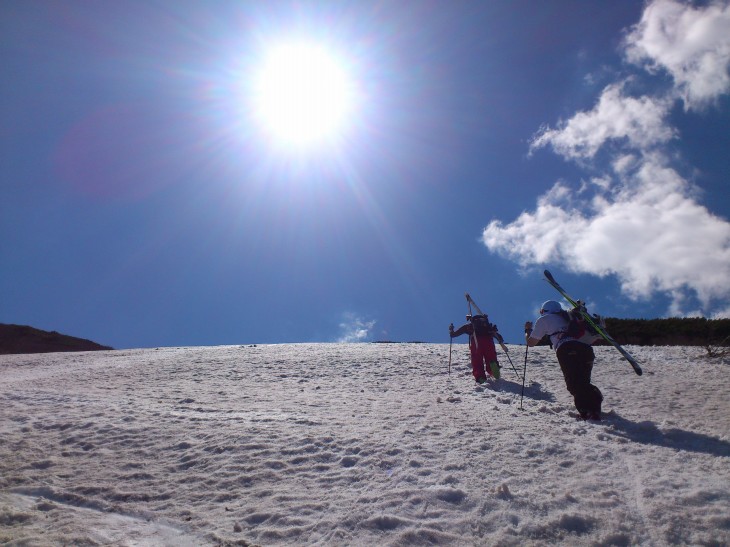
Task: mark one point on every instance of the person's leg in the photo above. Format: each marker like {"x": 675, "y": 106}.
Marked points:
{"x": 477, "y": 366}
{"x": 576, "y": 362}
{"x": 597, "y": 399}
{"x": 591, "y": 397}
{"x": 483, "y": 356}
{"x": 490, "y": 357}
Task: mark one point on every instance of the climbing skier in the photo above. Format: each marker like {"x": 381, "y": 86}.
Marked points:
{"x": 574, "y": 352}
{"x": 481, "y": 345}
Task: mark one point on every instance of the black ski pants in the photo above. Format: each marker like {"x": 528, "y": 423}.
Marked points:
{"x": 576, "y": 362}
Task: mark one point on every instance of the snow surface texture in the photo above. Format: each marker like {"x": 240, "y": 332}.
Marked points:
{"x": 359, "y": 444}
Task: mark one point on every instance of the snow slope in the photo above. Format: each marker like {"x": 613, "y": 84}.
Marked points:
{"x": 359, "y": 444}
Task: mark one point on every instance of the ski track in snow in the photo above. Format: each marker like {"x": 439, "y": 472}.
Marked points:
{"x": 359, "y": 444}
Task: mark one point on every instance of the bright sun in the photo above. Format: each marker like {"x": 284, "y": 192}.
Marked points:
{"x": 303, "y": 95}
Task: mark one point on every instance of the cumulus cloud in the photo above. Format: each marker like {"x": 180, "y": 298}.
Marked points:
{"x": 641, "y": 122}
{"x": 650, "y": 233}
{"x": 639, "y": 219}
{"x": 355, "y": 329}
{"x": 691, "y": 44}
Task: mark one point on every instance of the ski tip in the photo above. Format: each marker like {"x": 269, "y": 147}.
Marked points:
{"x": 548, "y": 274}
{"x": 634, "y": 365}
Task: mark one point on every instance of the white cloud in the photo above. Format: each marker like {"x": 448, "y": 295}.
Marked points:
{"x": 640, "y": 122}
{"x": 541, "y": 236}
{"x": 355, "y": 329}
{"x": 650, "y": 233}
{"x": 691, "y": 44}
{"x": 640, "y": 220}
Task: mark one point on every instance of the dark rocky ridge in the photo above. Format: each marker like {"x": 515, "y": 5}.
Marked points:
{"x": 24, "y": 339}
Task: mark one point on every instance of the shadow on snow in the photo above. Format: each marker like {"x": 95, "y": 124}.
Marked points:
{"x": 647, "y": 432}
{"x": 534, "y": 391}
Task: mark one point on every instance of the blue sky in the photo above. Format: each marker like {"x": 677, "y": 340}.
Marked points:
{"x": 144, "y": 204}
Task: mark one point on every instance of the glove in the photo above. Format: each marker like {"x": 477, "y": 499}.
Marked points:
{"x": 528, "y": 327}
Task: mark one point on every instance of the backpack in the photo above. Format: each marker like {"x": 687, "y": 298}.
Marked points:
{"x": 482, "y": 327}
{"x": 576, "y": 324}
{"x": 578, "y": 327}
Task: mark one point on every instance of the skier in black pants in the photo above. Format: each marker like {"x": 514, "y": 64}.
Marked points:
{"x": 574, "y": 353}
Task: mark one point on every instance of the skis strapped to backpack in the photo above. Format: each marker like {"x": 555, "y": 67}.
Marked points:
{"x": 577, "y": 306}
{"x": 471, "y": 303}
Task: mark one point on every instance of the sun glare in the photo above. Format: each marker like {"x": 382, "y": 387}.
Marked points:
{"x": 302, "y": 95}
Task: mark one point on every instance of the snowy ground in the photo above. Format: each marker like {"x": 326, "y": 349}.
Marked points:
{"x": 359, "y": 444}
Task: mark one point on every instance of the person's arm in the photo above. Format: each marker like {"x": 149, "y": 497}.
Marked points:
{"x": 496, "y": 335}
{"x": 494, "y": 331}
{"x": 529, "y": 339}
{"x": 461, "y": 330}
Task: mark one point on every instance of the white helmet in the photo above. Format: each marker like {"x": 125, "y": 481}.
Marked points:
{"x": 550, "y": 306}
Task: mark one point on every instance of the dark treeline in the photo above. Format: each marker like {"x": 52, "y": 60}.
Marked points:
{"x": 677, "y": 331}
{"x": 25, "y": 339}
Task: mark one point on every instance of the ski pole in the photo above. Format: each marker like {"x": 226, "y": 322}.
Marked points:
{"x": 524, "y": 374}
{"x": 451, "y": 341}
{"x": 504, "y": 348}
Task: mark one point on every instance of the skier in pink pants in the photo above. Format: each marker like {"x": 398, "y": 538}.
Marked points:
{"x": 481, "y": 346}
